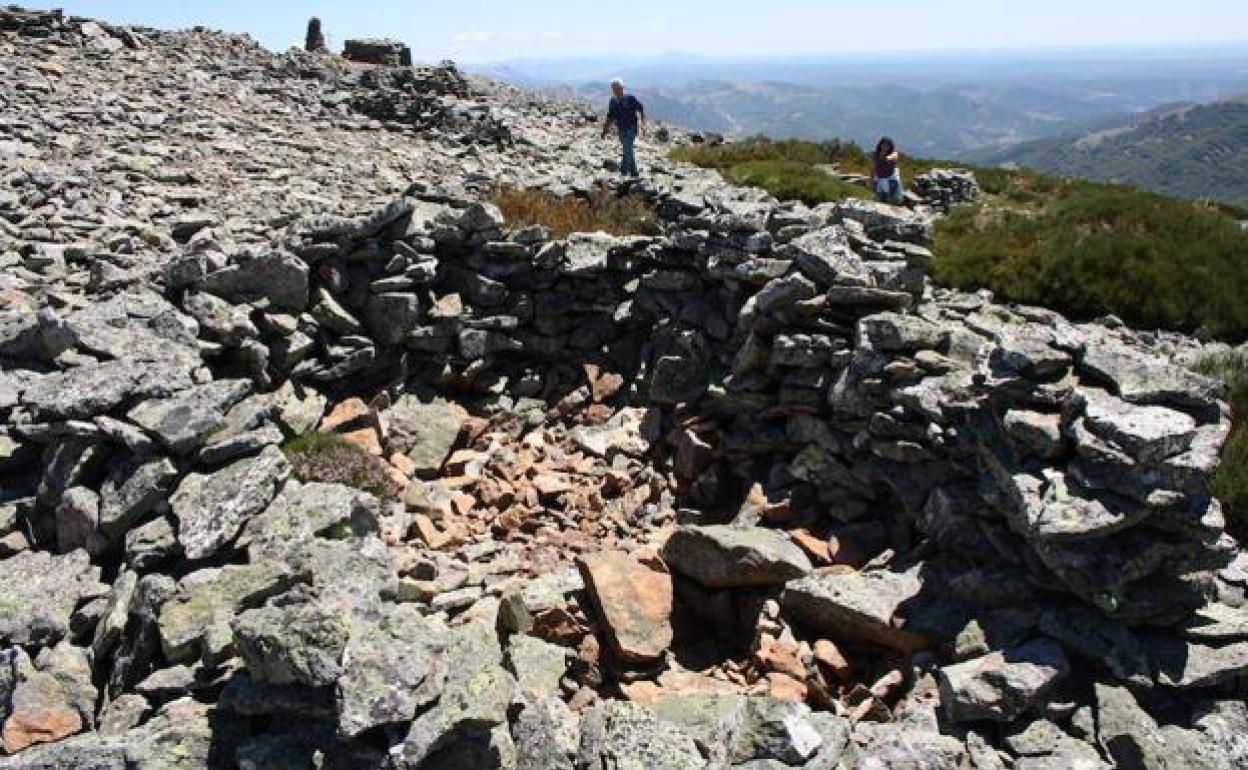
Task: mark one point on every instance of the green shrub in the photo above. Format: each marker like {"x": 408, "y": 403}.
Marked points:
{"x": 1088, "y": 249}
{"x": 725, "y": 156}
{"x": 329, "y": 459}
{"x": 1230, "y": 484}
{"x": 791, "y": 180}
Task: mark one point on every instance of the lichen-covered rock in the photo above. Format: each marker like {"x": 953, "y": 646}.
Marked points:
{"x": 299, "y": 644}
{"x": 210, "y": 598}
{"x": 547, "y": 735}
{"x": 386, "y": 660}
{"x": 132, "y": 491}
{"x": 183, "y": 422}
{"x": 39, "y": 593}
{"x": 474, "y": 695}
{"x": 37, "y": 709}
{"x": 627, "y": 735}
{"x": 537, "y": 665}
{"x": 303, "y": 511}
{"x": 211, "y": 508}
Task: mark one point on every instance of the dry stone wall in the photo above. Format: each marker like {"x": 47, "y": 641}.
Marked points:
{"x": 1010, "y": 437}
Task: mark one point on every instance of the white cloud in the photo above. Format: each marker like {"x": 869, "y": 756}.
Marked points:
{"x": 486, "y": 37}
{"x": 479, "y": 37}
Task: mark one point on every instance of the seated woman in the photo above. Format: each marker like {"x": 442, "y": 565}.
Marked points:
{"x": 885, "y": 174}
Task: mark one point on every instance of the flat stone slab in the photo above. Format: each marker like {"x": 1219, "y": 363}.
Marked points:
{"x": 634, "y": 601}
{"x": 1192, "y": 665}
{"x": 885, "y": 608}
{"x": 735, "y": 557}
{"x": 425, "y": 432}
{"x": 1148, "y": 433}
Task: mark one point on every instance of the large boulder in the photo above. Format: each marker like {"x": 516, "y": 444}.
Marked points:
{"x": 388, "y": 657}
{"x": 299, "y": 644}
{"x": 735, "y": 557}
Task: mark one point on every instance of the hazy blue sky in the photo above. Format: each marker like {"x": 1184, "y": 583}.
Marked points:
{"x": 482, "y": 30}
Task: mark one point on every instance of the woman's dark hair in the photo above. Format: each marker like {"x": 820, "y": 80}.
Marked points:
{"x": 879, "y": 147}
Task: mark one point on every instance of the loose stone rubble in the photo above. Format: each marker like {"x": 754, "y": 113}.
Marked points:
{"x": 750, "y": 493}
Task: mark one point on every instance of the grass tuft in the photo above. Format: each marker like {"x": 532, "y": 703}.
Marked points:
{"x": 329, "y": 459}
{"x": 603, "y": 210}
{"x": 791, "y": 180}
{"x": 1230, "y": 483}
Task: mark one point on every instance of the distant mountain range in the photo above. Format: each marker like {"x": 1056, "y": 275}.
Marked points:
{"x": 1185, "y": 150}
{"x": 943, "y": 106}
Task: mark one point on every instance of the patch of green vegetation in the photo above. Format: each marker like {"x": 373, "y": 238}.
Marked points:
{"x": 725, "y": 156}
{"x": 315, "y": 442}
{"x": 791, "y": 180}
{"x": 1088, "y": 249}
{"x": 329, "y": 459}
{"x": 1187, "y": 151}
{"x": 847, "y": 156}
{"x": 1230, "y": 484}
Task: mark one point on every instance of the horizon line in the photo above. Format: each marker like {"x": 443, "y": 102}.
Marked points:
{"x": 1235, "y": 49}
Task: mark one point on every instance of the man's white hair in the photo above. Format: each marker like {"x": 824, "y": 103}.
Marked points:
{"x": 617, "y": 82}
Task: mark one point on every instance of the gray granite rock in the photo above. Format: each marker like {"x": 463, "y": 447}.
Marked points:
{"x": 387, "y": 658}
{"x": 735, "y": 557}
{"x": 537, "y": 665}
{"x": 879, "y": 607}
{"x": 210, "y": 509}
{"x": 425, "y": 432}
{"x": 185, "y": 421}
{"x": 619, "y": 735}
{"x": 1001, "y": 686}
{"x": 547, "y": 735}
{"x": 210, "y": 598}
{"x": 297, "y": 644}
{"x": 39, "y": 592}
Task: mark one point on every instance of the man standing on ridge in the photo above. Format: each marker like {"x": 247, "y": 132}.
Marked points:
{"x": 628, "y": 116}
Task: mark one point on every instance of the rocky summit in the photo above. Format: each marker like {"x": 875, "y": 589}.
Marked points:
{"x": 310, "y": 457}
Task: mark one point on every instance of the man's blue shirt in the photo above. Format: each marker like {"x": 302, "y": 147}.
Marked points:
{"x": 623, "y": 112}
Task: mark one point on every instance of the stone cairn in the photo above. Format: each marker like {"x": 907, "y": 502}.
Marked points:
{"x": 747, "y": 492}
{"x": 315, "y": 40}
